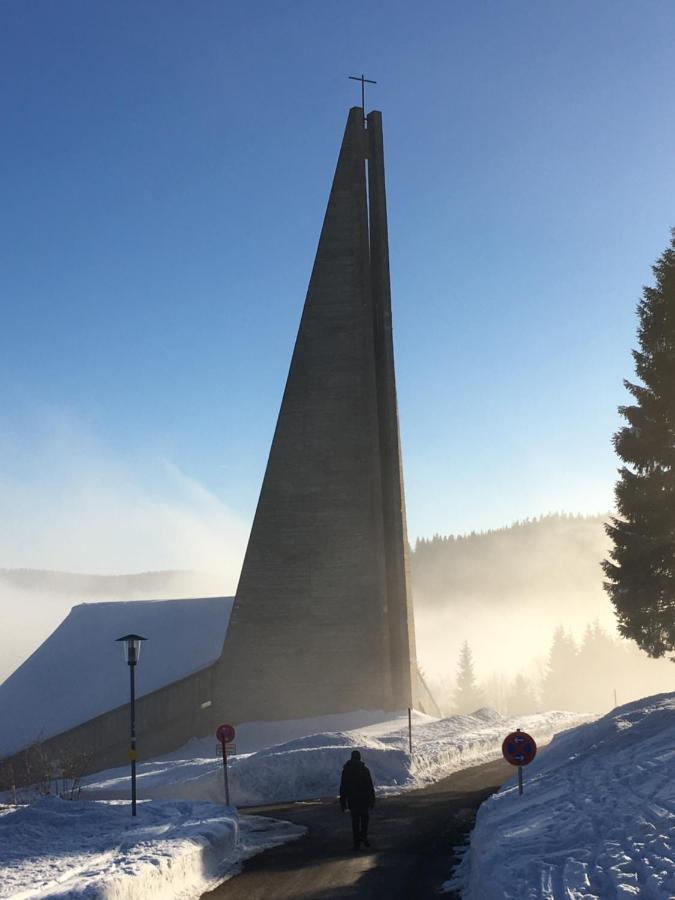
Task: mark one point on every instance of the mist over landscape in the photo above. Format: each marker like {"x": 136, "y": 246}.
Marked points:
{"x": 503, "y": 591}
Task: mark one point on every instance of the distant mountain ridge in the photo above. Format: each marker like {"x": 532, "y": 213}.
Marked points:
{"x": 177, "y": 583}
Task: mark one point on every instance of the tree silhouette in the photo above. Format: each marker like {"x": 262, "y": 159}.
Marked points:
{"x": 468, "y": 695}
{"x": 641, "y": 569}
{"x": 560, "y": 689}
{"x": 521, "y": 699}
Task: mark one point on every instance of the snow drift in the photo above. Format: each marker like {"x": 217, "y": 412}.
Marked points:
{"x": 596, "y": 820}
{"x": 63, "y": 849}
{"x": 185, "y": 840}
{"x": 309, "y": 767}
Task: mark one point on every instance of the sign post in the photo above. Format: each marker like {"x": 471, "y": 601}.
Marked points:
{"x": 225, "y": 734}
{"x": 519, "y": 749}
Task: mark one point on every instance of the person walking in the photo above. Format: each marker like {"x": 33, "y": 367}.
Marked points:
{"x": 358, "y": 795}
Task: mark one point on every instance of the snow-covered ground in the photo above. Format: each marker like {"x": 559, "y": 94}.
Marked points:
{"x": 596, "y": 819}
{"x": 184, "y": 838}
{"x": 309, "y": 767}
{"x": 82, "y": 849}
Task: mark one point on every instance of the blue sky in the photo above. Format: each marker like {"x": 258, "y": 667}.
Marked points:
{"x": 165, "y": 168}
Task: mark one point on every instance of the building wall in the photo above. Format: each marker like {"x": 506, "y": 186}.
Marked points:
{"x": 400, "y": 619}
{"x": 308, "y": 634}
{"x": 165, "y": 719}
{"x": 322, "y": 621}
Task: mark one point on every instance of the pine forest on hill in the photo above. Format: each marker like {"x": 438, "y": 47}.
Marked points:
{"x": 528, "y": 601}
{"x": 525, "y": 560}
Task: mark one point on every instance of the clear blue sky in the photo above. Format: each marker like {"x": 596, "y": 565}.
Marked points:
{"x": 165, "y": 168}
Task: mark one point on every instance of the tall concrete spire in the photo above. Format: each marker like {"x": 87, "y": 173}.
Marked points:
{"x": 322, "y": 620}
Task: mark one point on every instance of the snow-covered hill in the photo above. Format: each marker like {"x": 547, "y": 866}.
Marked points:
{"x": 596, "y": 820}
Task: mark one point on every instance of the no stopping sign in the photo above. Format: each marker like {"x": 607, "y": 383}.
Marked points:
{"x": 519, "y": 748}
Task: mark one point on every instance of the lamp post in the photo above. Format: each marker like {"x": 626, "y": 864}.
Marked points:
{"x": 132, "y": 650}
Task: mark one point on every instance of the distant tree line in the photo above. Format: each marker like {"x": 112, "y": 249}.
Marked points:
{"x": 526, "y": 559}
{"x": 586, "y": 676}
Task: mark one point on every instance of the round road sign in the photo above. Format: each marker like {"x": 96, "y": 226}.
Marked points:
{"x": 519, "y": 748}
{"x": 225, "y": 734}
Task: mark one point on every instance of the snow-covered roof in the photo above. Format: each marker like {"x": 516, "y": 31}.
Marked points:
{"x": 79, "y": 671}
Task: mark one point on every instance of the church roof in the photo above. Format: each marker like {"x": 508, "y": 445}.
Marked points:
{"x": 79, "y": 672}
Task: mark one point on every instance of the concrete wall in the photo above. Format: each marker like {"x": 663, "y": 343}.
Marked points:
{"x": 322, "y": 621}
{"x": 165, "y": 719}
{"x": 306, "y": 634}
{"x": 400, "y": 617}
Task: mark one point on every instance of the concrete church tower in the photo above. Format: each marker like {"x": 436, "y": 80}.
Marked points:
{"x": 322, "y": 621}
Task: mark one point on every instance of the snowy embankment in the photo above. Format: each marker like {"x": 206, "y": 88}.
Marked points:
{"x": 83, "y": 849}
{"x": 309, "y": 767}
{"x": 184, "y": 840}
{"x": 596, "y": 820}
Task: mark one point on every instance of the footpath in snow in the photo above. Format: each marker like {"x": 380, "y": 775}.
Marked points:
{"x": 82, "y": 849}
{"x": 309, "y": 767}
{"x": 596, "y": 820}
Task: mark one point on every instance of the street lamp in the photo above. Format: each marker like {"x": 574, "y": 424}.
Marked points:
{"x": 132, "y": 650}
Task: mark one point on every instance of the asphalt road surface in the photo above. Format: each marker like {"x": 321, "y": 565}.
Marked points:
{"x": 412, "y": 837}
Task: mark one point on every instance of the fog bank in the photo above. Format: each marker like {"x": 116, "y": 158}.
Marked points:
{"x": 506, "y": 591}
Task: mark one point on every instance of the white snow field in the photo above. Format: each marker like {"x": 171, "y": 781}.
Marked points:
{"x": 309, "y": 767}
{"x": 185, "y": 840}
{"x": 96, "y": 850}
{"x": 596, "y": 819}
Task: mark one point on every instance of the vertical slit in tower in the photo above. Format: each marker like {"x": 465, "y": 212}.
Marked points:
{"x": 367, "y": 179}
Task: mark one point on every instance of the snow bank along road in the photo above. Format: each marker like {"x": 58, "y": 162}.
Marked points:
{"x": 412, "y": 837}
{"x": 92, "y": 848}
{"x": 597, "y": 819}
{"x": 172, "y": 850}
{"x": 307, "y": 767}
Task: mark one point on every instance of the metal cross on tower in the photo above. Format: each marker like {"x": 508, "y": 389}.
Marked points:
{"x": 363, "y": 81}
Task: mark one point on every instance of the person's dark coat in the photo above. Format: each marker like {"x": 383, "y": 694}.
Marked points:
{"x": 356, "y": 786}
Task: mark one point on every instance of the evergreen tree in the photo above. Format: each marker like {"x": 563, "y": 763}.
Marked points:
{"x": 495, "y": 691}
{"x": 599, "y": 665}
{"x": 521, "y": 699}
{"x": 560, "y": 687}
{"x": 641, "y": 569}
{"x": 468, "y": 695}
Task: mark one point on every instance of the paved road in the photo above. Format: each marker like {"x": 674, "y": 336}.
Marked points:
{"x": 412, "y": 837}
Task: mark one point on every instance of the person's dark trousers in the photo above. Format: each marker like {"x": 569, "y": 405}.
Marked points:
{"x": 359, "y": 824}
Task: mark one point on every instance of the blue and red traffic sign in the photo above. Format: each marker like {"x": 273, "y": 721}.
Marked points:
{"x": 519, "y": 748}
